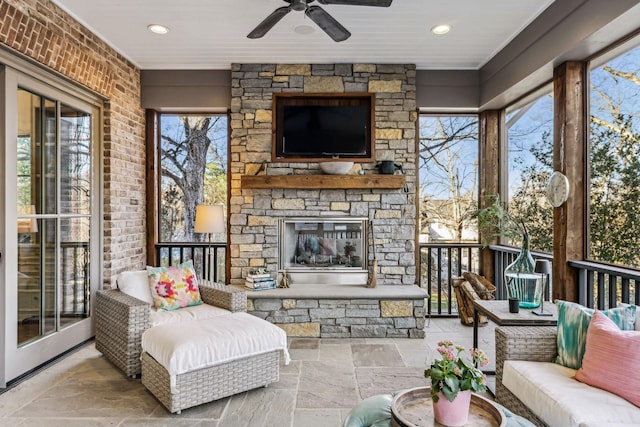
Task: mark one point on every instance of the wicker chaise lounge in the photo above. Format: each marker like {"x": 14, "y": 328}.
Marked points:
{"x": 189, "y": 355}
{"x": 121, "y": 319}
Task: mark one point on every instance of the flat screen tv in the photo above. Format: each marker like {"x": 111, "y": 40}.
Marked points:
{"x": 320, "y": 128}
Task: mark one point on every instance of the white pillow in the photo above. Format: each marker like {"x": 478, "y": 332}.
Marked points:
{"x": 136, "y": 284}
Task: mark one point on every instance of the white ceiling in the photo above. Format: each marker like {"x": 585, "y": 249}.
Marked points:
{"x": 211, "y": 34}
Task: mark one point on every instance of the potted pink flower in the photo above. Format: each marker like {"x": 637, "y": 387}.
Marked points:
{"x": 455, "y": 377}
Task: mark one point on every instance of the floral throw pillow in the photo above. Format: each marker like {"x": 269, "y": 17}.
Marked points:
{"x": 174, "y": 287}
{"x": 573, "y": 323}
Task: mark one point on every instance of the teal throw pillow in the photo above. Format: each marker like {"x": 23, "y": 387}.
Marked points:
{"x": 573, "y": 322}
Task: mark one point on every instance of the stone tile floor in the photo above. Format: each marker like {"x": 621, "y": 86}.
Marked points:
{"x": 325, "y": 379}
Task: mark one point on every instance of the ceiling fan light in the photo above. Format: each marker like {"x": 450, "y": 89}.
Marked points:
{"x": 304, "y": 29}
{"x": 158, "y": 29}
{"x": 441, "y": 29}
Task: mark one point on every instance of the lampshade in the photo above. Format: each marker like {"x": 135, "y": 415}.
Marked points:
{"x": 543, "y": 266}
{"x": 209, "y": 219}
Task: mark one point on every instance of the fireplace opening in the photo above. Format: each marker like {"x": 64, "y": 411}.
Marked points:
{"x": 324, "y": 250}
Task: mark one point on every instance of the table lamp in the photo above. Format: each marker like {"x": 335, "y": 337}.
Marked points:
{"x": 543, "y": 268}
{"x": 209, "y": 219}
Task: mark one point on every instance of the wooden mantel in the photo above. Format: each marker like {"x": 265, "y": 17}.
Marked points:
{"x": 323, "y": 181}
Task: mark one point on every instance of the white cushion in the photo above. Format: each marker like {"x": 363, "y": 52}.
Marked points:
{"x": 136, "y": 284}
{"x": 187, "y": 346}
{"x": 185, "y": 314}
{"x": 551, "y": 392}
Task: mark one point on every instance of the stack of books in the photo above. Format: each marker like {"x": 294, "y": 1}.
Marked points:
{"x": 259, "y": 282}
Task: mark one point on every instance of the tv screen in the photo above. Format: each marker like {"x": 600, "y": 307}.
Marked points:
{"x": 325, "y": 131}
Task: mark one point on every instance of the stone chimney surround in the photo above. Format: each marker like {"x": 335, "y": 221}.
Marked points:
{"x": 255, "y": 210}
{"x": 254, "y": 213}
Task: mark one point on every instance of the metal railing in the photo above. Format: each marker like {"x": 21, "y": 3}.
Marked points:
{"x": 74, "y": 275}
{"x": 603, "y": 286}
{"x": 177, "y": 252}
{"x": 600, "y": 285}
{"x": 438, "y": 263}
{"x": 505, "y": 255}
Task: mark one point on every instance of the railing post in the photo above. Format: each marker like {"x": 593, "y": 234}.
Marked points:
{"x": 582, "y": 287}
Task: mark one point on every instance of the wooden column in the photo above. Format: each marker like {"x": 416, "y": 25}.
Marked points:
{"x": 570, "y": 158}
{"x": 490, "y": 131}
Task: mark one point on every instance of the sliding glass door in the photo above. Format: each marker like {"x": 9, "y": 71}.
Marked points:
{"x": 52, "y": 221}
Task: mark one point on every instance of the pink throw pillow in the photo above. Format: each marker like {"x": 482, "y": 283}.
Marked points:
{"x": 611, "y": 359}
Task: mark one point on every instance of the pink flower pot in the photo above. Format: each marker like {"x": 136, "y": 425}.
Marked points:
{"x": 452, "y": 414}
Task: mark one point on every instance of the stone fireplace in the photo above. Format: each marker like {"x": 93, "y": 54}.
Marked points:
{"x": 330, "y": 250}
{"x": 255, "y": 212}
{"x": 327, "y": 297}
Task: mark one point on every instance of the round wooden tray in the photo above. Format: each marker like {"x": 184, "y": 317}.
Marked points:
{"x": 414, "y": 408}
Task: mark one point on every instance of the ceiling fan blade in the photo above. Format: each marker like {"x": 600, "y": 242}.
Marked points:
{"x": 377, "y": 3}
{"x": 269, "y": 22}
{"x": 328, "y": 24}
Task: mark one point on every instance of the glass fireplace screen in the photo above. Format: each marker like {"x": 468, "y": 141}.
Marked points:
{"x": 323, "y": 243}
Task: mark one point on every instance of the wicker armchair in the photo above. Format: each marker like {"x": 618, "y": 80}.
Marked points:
{"x": 121, "y": 320}
{"x": 534, "y": 343}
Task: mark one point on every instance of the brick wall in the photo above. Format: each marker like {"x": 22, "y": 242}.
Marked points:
{"x": 254, "y": 213}
{"x": 43, "y": 32}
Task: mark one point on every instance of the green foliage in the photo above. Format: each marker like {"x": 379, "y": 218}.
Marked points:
{"x": 453, "y": 373}
{"x": 495, "y": 221}
{"x": 615, "y": 193}
{"x": 529, "y": 200}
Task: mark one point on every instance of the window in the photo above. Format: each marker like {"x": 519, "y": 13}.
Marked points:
{"x": 448, "y": 169}
{"x": 193, "y": 163}
{"x": 614, "y": 159}
{"x": 529, "y": 164}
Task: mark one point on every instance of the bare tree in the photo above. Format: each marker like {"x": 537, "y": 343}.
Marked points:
{"x": 449, "y": 170}
{"x": 184, "y": 160}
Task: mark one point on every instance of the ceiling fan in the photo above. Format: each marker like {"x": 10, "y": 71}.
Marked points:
{"x": 317, "y": 14}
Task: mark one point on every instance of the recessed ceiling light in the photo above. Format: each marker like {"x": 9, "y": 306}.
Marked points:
{"x": 440, "y": 29}
{"x": 158, "y": 29}
{"x": 304, "y": 29}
